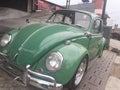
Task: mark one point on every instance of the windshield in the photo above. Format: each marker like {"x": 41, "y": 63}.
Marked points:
{"x": 73, "y": 18}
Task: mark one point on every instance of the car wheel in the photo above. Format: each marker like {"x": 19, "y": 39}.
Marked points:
{"x": 75, "y": 81}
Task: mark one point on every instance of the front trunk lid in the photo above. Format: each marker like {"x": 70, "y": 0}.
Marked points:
{"x": 34, "y": 41}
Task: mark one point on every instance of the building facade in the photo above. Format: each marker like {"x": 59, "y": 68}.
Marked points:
{"x": 42, "y": 5}
{"x": 98, "y": 6}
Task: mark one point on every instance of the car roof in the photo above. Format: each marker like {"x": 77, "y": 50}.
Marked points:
{"x": 82, "y": 11}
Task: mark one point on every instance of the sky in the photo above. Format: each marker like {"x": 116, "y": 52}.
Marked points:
{"x": 112, "y": 8}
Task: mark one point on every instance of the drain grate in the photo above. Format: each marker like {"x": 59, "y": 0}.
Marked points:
{"x": 97, "y": 75}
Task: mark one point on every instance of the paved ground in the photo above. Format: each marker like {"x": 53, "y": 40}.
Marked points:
{"x": 20, "y": 22}
{"x": 96, "y": 78}
{"x": 6, "y": 83}
{"x": 113, "y": 82}
{"x": 11, "y": 19}
{"x": 7, "y": 13}
{"x": 114, "y": 44}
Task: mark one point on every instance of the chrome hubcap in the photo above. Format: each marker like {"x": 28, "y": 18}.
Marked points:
{"x": 80, "y": 72}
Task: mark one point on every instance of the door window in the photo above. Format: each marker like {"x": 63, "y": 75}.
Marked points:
{"x": 97, "y": 27}
{"x": 82, "y": 20}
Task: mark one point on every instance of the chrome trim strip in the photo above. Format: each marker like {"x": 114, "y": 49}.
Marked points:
{"x": 46, "y": 85}
{"x": 3, "y": 54}
{"x": 43, "y": 76}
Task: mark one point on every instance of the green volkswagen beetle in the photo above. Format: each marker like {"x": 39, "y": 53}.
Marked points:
{"x": 56, "y": 54}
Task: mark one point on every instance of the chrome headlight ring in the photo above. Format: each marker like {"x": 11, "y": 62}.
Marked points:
{"x": 5, "y": 40}
{"x": 54, "y": 61}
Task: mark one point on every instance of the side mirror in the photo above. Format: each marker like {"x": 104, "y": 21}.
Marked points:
{"x": 96, "y": 25}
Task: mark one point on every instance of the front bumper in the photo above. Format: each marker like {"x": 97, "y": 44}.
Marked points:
{"x": 28, "y": 76}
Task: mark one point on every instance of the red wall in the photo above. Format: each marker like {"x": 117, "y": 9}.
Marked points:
{"x": 98, "y": 4}
{"x": 45, "y": 6}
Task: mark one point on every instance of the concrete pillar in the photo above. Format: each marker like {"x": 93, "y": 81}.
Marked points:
{"x": 29, "y": 6}
{"x": 34, "y": 7}
{"x": 107, "y": 34}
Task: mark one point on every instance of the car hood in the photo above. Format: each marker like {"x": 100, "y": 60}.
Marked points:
{"x": 35, "y": 41}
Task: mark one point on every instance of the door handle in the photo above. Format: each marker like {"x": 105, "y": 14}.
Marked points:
{"x": 88, "y": 35}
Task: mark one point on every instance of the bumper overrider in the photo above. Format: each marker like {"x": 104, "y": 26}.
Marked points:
{"x": 28, "y": 77}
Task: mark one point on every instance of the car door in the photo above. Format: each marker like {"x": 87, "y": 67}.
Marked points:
{"x": 95, "y": 38}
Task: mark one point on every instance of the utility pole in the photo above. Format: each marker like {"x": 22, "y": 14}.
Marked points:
{"x": 103, "y": 11}
{"x": 67, "y": 4}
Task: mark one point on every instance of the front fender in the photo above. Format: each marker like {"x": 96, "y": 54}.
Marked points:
{"x": 72, "y": 55}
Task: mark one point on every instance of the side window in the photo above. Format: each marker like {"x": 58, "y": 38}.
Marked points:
{"x": 68, "y": 20}
{"x": 82, "y": 20}
{"x": 57, "y": 18}
{"x": 97, "y": 26}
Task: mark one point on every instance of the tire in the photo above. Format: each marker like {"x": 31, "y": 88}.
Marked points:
{"x": 75, "y": 81}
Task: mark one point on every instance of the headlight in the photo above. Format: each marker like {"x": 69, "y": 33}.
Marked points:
{"x": 54, "y": 61}
{"x": 5, "y": 40}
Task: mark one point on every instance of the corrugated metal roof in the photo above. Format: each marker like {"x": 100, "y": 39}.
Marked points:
{"x": 84, "y": 6}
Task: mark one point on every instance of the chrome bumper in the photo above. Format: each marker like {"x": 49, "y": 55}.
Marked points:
{"x": 50, "y": 84}
{"x": 38, "y": 80}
